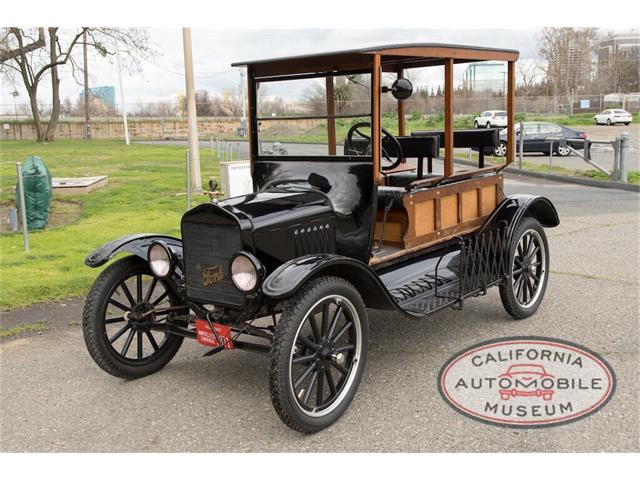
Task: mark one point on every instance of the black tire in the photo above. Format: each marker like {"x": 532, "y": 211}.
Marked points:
{"x": 294, "y": 354}
{"x": 608, "y": 121}
{"x": 475, "y": 124}
{"x": 488, "y": 125}
{"x": 94, "y": 324}
{"x": 562, "y": 151}
{"x": 595, "y": 122}
{"x": 521, "y": 293}
{"x": 626, "y": 123}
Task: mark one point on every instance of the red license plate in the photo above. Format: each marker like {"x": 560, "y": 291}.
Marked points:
{"x": 207, "y": 337}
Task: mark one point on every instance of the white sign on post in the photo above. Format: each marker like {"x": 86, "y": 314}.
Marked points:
{"x": 235, "y": 178}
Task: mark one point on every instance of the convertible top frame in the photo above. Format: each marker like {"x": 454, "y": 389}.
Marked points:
{"x": 379, "y": 59}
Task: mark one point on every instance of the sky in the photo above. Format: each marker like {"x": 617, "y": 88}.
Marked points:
{"x": 162, "y": 78}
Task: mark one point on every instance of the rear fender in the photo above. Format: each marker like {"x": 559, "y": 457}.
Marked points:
{"x": 285, "y": 281}
{"x": 137, "y": 244}
{"x": 515, "y": 207}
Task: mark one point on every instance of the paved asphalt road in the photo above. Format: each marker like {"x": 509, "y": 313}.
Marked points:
{"x": 53, "y": 397}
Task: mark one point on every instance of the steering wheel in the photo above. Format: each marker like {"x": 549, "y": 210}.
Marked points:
{"x": 391, "y": 163}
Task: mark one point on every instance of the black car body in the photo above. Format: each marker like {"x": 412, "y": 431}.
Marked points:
{"x": 543, "y": 137}
{"x": 324, "y": 237}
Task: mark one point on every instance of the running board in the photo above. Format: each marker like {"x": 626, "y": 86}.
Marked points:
{"x": 467, "y": 267}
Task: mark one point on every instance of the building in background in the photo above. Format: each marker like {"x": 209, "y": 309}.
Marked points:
{"x": 485, "y": 76}
{"x": 106, "y": 94}
{"x": 619, "y": 62}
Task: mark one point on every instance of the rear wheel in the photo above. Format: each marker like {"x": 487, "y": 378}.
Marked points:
{"x": 609, "y": 121}
{"x": 121, "y": 346}
{"x": 318, "y": 354}
{"x": 524, "y": 288}
{"x": 488, "y": 125}
{"x": 627, "y": 123}
{"x": 595, "y": 121}
{"x": 563, "y": 150}
{"x": 500, "y": 150}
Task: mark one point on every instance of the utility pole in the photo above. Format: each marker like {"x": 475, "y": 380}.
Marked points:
{"x": 243, "y": 86}
{"x": 194, "y": 147}
{"x": 122, "y": 104}
{"x": 87, "y": 125}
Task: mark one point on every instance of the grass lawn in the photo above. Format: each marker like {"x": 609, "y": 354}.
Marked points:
{"x": 144, "y": 181}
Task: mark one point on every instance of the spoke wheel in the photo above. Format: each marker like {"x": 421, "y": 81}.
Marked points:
{"x": 529, "y": 270}
{"x": 563, "y": 150}
{"x": 123, "y": 332}
{"x": 318, "y": 354}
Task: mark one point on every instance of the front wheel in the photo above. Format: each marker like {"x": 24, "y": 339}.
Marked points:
{"x": 475, "y": 124}
{"x": 608, "y": 121}
{"x": 318, "y": 354}
{"x": 526, "y": 282}
{"x": 120, "y": 339}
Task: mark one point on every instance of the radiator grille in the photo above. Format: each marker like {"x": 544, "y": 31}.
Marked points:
{"x": 210, "y": 247}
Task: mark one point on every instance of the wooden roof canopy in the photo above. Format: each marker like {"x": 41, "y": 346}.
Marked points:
{"x": 391, "y": 58}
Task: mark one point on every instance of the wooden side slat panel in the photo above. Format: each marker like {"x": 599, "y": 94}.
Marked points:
{"x": 489, "y": 200}
{"x": 449, "y": 211}
{"x": 425, "y": 217}
{"x": 469, "y": 205}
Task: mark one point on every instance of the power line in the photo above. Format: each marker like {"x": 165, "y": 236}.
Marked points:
{"x": 181, "y": 74}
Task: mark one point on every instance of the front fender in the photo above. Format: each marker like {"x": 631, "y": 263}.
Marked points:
{"x": 136, "y": 244}
{"x": 285, "y": 281}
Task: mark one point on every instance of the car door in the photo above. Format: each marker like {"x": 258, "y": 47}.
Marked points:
{"x": 531, "y": 137}
{"x": 548, "y": 131}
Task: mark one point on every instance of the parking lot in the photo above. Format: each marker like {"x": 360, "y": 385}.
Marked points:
{"x": 54, "y": 398}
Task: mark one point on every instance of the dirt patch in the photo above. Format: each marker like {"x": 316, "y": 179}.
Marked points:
{"x": 61, "y": 213}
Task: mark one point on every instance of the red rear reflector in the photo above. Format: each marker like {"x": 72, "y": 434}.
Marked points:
{"x": 210, "y": 339}
{"x": 583, "y": 135}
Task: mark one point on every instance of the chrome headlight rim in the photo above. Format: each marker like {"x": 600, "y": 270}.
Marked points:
{"x": 257, "y": 265}
{"x": 170, "y": 258}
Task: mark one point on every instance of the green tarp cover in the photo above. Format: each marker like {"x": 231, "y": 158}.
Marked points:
{"x": 37, "y": 192}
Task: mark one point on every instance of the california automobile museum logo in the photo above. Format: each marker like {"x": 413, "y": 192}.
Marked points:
{"x": 526, "y": 382}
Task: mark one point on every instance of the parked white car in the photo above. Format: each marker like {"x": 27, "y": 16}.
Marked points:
{"x": 612, "y": 116}
{"x": 491, "y": 118}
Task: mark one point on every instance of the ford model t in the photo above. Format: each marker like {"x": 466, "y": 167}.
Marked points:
{"x": 368, "y": 220}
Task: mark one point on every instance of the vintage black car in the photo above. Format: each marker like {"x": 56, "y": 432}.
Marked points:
{"x": 381, "y": 221}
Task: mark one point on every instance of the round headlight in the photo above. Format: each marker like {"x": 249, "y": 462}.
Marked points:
{"x": 160, "y": 260}
{"x": 245, "y": 272}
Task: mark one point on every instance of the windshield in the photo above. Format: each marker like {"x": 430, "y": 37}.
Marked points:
{"x": 308, "y": 111}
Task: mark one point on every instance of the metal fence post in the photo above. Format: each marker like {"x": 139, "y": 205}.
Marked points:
{"x": 521, "y": 146}
{"x": 624, "y": 155}
{"x": 186, "y": 157}
{"x": 23, "y": 208}
{"x": 211, "y": 145}
{"x": 550, "y": 155}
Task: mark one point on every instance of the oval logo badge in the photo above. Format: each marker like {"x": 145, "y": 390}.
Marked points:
{"x": 526, "y": 382}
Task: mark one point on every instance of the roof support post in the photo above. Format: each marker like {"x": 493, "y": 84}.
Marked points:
{"x": 448, "y": 117}
{"x": 511, "y": 111}
{"x": 376, "y": 144}
{"x": 401, "y": 120}
{"x": 331, "y": 111}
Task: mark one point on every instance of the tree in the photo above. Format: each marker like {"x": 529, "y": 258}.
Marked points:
{"x": 618, "y": 68}
{"x": 567, "y": 52}
{"x": 6, "y": 53}
{"x": 528, "y": 73}
{"x": 31, "y": 65}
